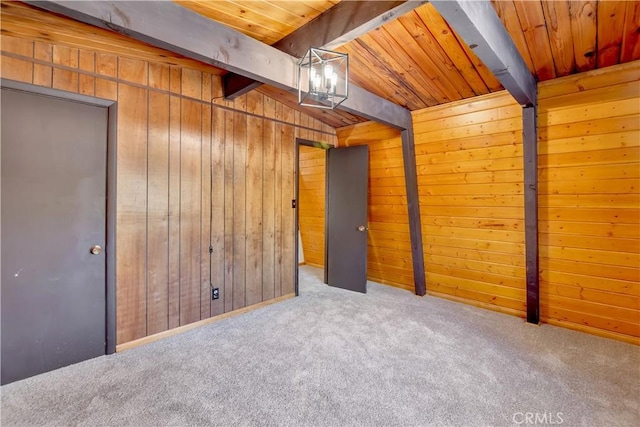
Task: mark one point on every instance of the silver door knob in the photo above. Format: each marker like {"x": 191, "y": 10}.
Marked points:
{"x": 362, "y": 228}
{"x": 95, "y": 249}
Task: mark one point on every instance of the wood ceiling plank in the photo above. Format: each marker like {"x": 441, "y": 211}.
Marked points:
{"x": 368, "y": 72}
{"x": 234, "y": 17}
{"x": 290, "y": 13}
{"x": 533, "y": 24}
{"x": 560, "y": 36}
{"x": 583, "y": 15}
{"x": 425, "y": 41}
{"x": 487, "y": 75}
{"x": 413, "y": 58}
{"x": 611, "y": 19}
{"x": 451, "y": 45}
{"x": 419, "y": 84}
{"x": 506, "y": 10}
{"x": 631, "y": 36}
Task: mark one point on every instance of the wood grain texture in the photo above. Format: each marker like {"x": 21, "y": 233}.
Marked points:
{"x": 560, "y": 36}
{"x": 590, "y": 201}
{"x": 184, "y": 172}
{"x": 631, "y": 36}
{"x": 254, "y": 189}
{"x": 472, "y": 200}
{"x": 611, "y": 19}
{"x": 158, "y": 214}
{"x": 584, "y": 26}
{"x": 311, "y": 207}
{"x": 267, "y": 21}
{"x": 190, "y": 209}
{"x": 20, "y": 20}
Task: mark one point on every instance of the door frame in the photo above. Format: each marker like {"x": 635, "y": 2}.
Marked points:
{"x": 110, "y": 246}
{"x": 323, "y": 146}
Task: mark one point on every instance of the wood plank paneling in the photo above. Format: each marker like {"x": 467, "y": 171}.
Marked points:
{"x": 239, "y": 204}
{"x": 190, "y": 174}
{"x": 473, "y": 251}
{"x": 311, "y": 181}
{"x": 590, "y": 201}
{"x": 269, "y": 201}
{"x": 254, "y": 188}
{"x": 190, "y": 208}
{"x": 583, "y": 15}
{"x": 131, "y": 213}
{"x": 158, "y": 213}
{"x": 206, "y": 202}
{"x": 611, "y": 19}
{"x": 388, "y": 239}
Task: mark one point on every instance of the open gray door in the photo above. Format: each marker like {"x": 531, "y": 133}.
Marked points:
{"x": 347, "y": 185}
{"x": 53, "y": 233}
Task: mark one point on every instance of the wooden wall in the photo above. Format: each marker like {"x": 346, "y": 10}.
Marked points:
{"x": 470, "y": 174}
{"x": 389, "y": 245}
{"x": 311, "y": 206}
{"x": 589, "y": 171}
{"x": 190, "y": 173}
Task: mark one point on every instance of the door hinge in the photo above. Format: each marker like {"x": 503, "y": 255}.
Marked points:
{"x": 293, "y": 203}
{"x": 210, "y": 249}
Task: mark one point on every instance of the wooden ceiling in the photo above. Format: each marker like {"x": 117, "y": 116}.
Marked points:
{"x": 264, "y": 20}
{"x": 418, "y": 61}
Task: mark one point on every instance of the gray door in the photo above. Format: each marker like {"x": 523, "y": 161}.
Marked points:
{"x": 346, "y": 252}
{"x": 53, "y": 187}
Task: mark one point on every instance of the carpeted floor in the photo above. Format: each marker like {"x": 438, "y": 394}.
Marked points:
{"x": 335, "y": 358}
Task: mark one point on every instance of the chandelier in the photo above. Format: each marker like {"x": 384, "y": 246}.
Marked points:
{"x": 323, "y": 78}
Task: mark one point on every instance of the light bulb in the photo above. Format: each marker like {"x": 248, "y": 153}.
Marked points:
{"x": 313, "y": 79}
{"x": 334, "y": 81}
{"x": 328, "y": 71}
{"x": 316, "y": 82}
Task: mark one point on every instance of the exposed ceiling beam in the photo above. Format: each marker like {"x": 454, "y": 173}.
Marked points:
{"x": 338, "y": 25}
{"x": 344, "y": 22}
{"x": 170, "y": 26}
{"x": 480, "y": 27}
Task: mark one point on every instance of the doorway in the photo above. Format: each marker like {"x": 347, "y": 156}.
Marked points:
{"x": 57, "y": 231}
{"x": 339, "y": 216}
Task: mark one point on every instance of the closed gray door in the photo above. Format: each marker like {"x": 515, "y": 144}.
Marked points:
{"x": 347, "y": 186}
{"x": 53, "y": 213}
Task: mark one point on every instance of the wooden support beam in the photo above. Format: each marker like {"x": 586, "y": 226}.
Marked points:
{"x": 480, "y": 27}
{"x": 344, "y": 22}
{"x": 413, "y": 205}
{"x": 530, "y": 140}
{"x": 235, "y": 85}
{"x": 172, "y": 27}
{"x": 338, "y": 25}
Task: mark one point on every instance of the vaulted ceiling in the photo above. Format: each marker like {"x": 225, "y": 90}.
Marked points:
{"x": 415, "y": 60}
{"x": 418, "y": 60}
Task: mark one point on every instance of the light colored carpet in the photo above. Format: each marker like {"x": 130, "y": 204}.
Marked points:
{"x": 336, "y": 358}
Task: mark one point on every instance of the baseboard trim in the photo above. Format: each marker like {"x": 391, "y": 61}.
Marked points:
{"x": 180, "y": 329}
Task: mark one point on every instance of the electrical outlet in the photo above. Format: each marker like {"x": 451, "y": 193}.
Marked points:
{"x": 215, "y": 293}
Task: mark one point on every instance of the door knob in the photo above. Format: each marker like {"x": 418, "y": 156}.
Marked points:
{"x": 95, "y": 249}
{"x": 362, "y": 228}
